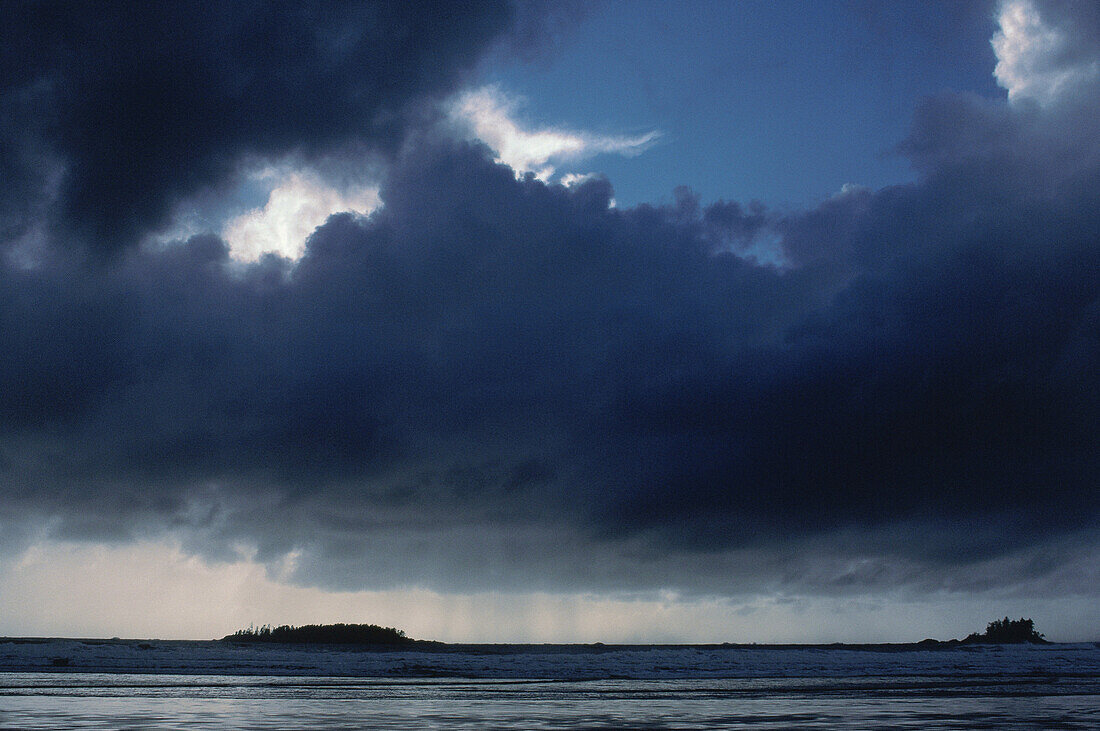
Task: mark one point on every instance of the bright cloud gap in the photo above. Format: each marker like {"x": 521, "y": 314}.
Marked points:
{"x": 301, "y": 200}
{"x": 298, "y": 204}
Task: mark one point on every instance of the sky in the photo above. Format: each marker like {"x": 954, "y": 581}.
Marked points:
{"x": 550, "y": 321}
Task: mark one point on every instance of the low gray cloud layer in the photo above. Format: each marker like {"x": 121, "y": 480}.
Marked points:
{"x": 498, "y": 382}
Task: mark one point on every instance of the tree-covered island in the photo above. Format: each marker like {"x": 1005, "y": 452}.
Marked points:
{"x": 1008, "y": 631}
{"x": 999, "y": 631}
{"x": 323, "y": 634}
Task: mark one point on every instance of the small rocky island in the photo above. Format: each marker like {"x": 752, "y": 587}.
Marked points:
{"x": 1008, "y": 631}
{"x": 998, "y": 632}
{"x": 323, "y": 634}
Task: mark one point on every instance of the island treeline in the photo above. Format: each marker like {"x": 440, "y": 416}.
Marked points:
{"x": 999, "y": 631}
{"x": 335, "y": 634}
{"x": 1008, "y": 631}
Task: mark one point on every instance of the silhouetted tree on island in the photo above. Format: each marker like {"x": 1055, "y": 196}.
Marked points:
{"x": 334, "y": 634}
{"x": 1008, "y": 631}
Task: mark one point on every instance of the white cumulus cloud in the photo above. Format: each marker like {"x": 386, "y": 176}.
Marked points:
{"x": 1033, "y": 58}
{"x": 489, "y": 114}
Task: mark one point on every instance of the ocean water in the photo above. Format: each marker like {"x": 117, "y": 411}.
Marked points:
{"x": 208, "y": 685}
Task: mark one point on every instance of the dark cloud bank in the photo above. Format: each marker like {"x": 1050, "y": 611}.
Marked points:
{"x": 500, "y": 383}
{"x": 144, "y": 103}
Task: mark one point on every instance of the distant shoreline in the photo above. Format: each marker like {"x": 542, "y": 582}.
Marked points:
{"x": 505, "y": 648}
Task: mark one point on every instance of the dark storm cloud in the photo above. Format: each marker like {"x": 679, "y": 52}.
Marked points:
{"x": 487, "y": 357}
{"x": 144, "y": 103}
{"x": 498, "y": 382}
